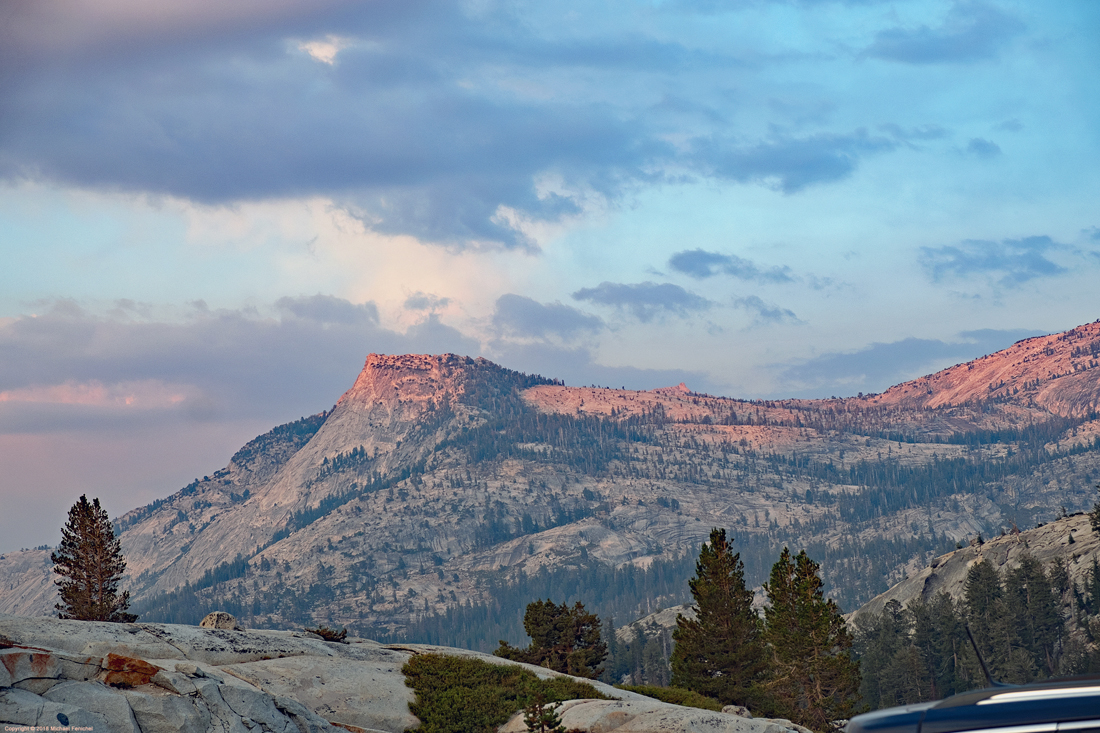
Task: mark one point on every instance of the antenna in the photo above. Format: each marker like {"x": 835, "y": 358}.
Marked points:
{"x": 988, "y": 677}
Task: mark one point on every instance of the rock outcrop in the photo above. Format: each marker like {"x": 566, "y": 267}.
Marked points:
{"x": 166, "y": 678}
{"x": 1070, "y": 540}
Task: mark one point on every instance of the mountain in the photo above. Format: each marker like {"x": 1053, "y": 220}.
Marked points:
{"x": 443, "y": 493}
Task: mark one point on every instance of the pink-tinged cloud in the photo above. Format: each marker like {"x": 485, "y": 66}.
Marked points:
{"x": 51, "y": 28}
{"x": 147, "y": 394}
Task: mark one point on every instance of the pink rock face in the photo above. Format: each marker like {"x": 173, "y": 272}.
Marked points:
{"x": 412, "y": 380}
{"x": 1059, "y": 373}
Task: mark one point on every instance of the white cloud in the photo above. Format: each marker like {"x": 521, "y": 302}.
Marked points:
{"x": 325, "y": 50}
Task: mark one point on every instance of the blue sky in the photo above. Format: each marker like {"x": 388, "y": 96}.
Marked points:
{"x": 210, "y": 214}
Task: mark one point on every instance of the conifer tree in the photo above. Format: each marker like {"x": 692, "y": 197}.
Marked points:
{"x": 813, "y": 680}
{"x": 562, "y": 638}
{"x": 90, "y": 563}
{"x": 985, "y": 613}
{"x": 720, "y": 653}
{"x": 1094, "y": 515}
{"x": 939, "y": 633}
{"x": 1032, "y": 614}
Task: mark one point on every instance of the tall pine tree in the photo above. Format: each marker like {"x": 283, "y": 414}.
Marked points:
{"x": 720, "y": 653}
{"x": 813, "y": 679}
{"x": 91, "y": 565}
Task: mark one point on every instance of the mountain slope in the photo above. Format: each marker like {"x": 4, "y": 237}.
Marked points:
{"x": 442, "y": 481}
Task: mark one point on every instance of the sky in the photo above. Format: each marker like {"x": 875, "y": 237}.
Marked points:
{"x": 211, "y": 212}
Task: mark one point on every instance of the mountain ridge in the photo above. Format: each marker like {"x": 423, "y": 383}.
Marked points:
{"x": 436, "y": 479}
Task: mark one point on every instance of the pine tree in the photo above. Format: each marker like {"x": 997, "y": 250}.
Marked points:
{"x": 720, "y": 653}
{"x": 813, "y": 678}
{"x": 562, "y": 638}
{"x": 91, "y": 565}
{"x": 1094, "y": 515}
{"x": 985, "y": 613}
{"x": 939, "y": 634}
{"x": 1034, "y": 615}
{"x": 542, "y": 717}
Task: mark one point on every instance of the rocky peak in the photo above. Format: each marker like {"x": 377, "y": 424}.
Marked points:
{"x": 1052, "y": 372}
{"x": 415, "y": 380}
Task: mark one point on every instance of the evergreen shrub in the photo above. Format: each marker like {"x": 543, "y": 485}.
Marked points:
{"x": 675, "y": 696}
{"x": 460, "y": 695}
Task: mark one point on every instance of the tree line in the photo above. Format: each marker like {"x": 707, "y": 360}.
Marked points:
{"x": 794, "y": 663}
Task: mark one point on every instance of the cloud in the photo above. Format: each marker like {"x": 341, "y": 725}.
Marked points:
{"x": 919, "y": 133}
{"x": 972, "y": 31}
{"x": 329, "y": 310}
{"x": 766, "y": 312}
{"x": 426, "y": 118}
{"x": 67, "y": 368}
{"x": 325, "y": 50}
{"x": 645, "y": 301}
{"x": 789, "y": 163}
{"x": 882, "y": 365}
{"x": 525, "y": 317}
{"x": 699, "y": 264}
{"x": 983, "y": 148}
{"x": 1015, "y": 261}
{"x": 420, "y": 301}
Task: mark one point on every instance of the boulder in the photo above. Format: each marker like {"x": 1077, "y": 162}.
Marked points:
{"x": 220, "y": 620}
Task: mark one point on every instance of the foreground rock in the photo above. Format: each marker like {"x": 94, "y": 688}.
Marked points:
{"x": 163, "y": 678}
{"x": 652, "y": 716}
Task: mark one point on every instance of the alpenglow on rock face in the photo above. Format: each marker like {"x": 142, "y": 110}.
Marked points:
{"x": 437, "y": 482}
{"x": 179, "y": 678}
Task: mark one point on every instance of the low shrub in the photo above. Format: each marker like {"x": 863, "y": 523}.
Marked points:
{"x": 330, "y": 634}
{"x": 676, "y": 696}
{"x": 462, "y": 695}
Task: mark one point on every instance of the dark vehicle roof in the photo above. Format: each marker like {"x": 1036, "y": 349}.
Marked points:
{"x": 1042, "y": 707}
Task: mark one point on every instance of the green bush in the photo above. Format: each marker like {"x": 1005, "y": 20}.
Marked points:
{"x": 461, "y": 695}
{"x": 676, "y": 696}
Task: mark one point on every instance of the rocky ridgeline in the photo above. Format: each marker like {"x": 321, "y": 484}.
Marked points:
{"x": 1052, "y": 372}
{"x": 437, "y": 478}
{"x": 168, "y": 678}
{"x": 947, "y": 574}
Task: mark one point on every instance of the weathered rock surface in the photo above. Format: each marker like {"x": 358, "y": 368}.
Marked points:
{"x": 164, "y": 678}
{"x": 651, "y": 716}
